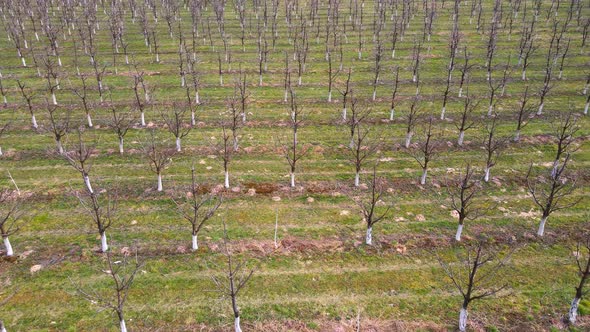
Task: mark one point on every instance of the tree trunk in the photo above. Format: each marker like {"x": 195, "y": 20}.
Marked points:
{"x": 524, "y": 75}
{"x": 442, "y": 113}
{"x": 463, "y": 320}
{"x": 9, "y": 251}
{"x": 408, "y": 139}
{"x": 226, "y": 182}
{"x": 541, "y": 230}
{"x": 123, "y": 326}
{"x": 573, "y": 313}
{"x": 142, "y": 119}
{"x": 121, "y": 150}
{"x": 423, "y": 177}
{"x": 540, "y": 111}
{"x": 344, "y": 113}
{"x": 460, "y": 92}
{"x": 53, "y": 99}
{"x": 195, "y": 243}
{"x": 60, "y": 148}
{"x": 87, "y": 183}
{"x": 458, "y": 234}
{"x": 2, "y": 328}
{"x": 391, "y": 114}
{"x": 369, "y": 237}
{"x": 178, "y": 148}
{"x": 461, "y": 137}
{"x": 237, "y": 324}
{"x": 292, "y": 180}
{"x": 24, "y": 61}
{"x": 517, "y": 136}
{"x": 586, "y": 108}
{"x": 89, "y": 120}
{"x": 159, "y": 182}
{"x": 356, "y": 179}
{"x": 486, "y": 177}
{"x": 104, "y": 247}
{"x": 34, "y": 121}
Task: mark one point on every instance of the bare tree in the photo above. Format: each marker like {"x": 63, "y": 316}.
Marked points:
{"x": 235, "y": 279}
{"x": 492, "y": 145}
{"x": 82, "y": 93}
{"x": 466, "y": 122}
{"x": 394, "y": 94}
{"x": 28, "y": 94}
{"x": 159, "y": 156}
{"x": 425, "y": 151}
{"x": 525, "y": 110}
{"x": 176, "y": 122}
{"x": 121, "y": 272}
{"x": 369, "y": 205}
{"x": 290, "y": 151}
{"x": 411, "y": 120}
{"x": 102, "y": 210}
{"x": 462, "y": 191}
{"x": 362, "y": 150}
{"x": 582, "y": 255}
{"x": 552, "y": 193}
{"x": 10, "y": 218}
{"x": 477, "y": 275}
{"x": 79, "y": 159}
{"x": 197, "y": 207}
{"x": 225, "y": 151}
{"x": 121, "y": 122}
{"x": 564, "y": 131}
{"x": 59, "y": 125}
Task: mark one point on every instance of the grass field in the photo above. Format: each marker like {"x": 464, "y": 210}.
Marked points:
{"x": 322, "y": 277}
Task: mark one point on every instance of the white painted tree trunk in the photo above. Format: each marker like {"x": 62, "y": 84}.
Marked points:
{"x": 286, "y": 96}
{"x": 121, "y": 150}
{"x": 393, "y": 53}
{"x": 458, "y": 234}
{"x": 330, "y": 96}
{"x": 292, "y": 180}
{"x": 555, "y": 168}
{"x": 517, "y": 136}
{"x": 221, "y": 80}
{"x": 344, "y": 113}
{"x": 461, "y": 137}
{"x": 524, "y": 75}
{"x": 24, "y": 61}
{"x": 178, "y": 147}
{"x": 408, "y": 139}
{"x": 1, "y": 151}
{"x": 423, "y": 177}
{"x": 89, "y": 120}
{"x": 60, "y": 148}
{"x": 442, "y": 113}
{"x": 391, "y": 114}
{"x": 2, "y": 328}
{"x": 463, "y": 320}
{"x": 142, "y": 119}
{"x": 53, "y": 99}
{"x": 104, "y": 247}
{"x": 9, "y": 251}
{"x": 195, "y": 243}
{"x": 369, "y": 237}
{"x": 374, "y": 93}
{"x": 159, "y": 182}
{"x": 123, "y": 326}
{"x": 573, "y": 313}
{"x": 490, "y": 110}
{"x": 414, "y": 78}
{"x": 460, "y": 92}
{"x": 87, "y": 184}
{"x": 197, "y": 99}
{"x": 226, "y": 182}
{"x": 541, "y": 230}
{"x": 540, "y": 111}
{"x": 34, "y": 121}
{"x": 237, "y": 324}
{"x": 357, "y": 179}
{"x": 586, "y": 108}
{"x": 486, "y": 177}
